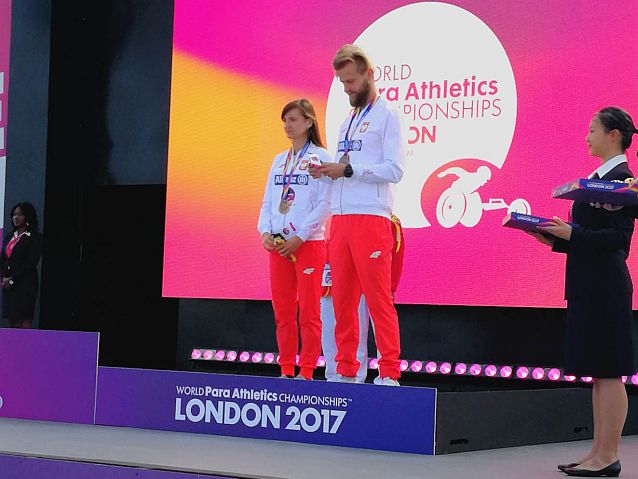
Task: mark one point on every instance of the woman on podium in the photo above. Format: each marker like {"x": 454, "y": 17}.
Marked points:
{"x": 291, "y": 224}
{"x": 598, "y": 289}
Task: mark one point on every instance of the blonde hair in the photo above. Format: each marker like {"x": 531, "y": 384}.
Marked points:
{"x": 352, "y": 54}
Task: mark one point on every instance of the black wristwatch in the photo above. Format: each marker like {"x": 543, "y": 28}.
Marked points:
{"x": 347, "y": 171}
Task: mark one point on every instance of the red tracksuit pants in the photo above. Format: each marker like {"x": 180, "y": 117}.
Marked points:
{"x": 297, "y": 286}
{"x": 361, "y": 262}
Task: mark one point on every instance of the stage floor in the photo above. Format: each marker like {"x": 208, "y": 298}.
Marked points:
{"x": 248, "y": 458}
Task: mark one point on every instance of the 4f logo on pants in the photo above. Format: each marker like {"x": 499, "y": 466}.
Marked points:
{"x": 308, "y": 271}
{"x": 375, "y": 254}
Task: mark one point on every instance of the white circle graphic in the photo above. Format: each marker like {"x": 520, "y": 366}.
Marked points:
{"x": 449, "y": 76}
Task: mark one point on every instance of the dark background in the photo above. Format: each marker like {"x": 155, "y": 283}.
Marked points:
{"x": 87, "y": 144}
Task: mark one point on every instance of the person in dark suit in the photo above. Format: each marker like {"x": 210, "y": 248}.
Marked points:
{"x": 598, "y": 290}
{"x": 21, "y": 252}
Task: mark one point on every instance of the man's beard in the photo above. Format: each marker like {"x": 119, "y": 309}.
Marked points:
{"x": 361, "y": 98}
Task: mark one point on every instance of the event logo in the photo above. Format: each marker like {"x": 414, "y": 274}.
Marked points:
{"x": 265, "y": 409}
{"x": 462, "y": 203}
{"x": 447, "y": 74}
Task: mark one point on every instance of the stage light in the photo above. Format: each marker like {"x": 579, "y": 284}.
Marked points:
{"x": 257, "y": 357}
{"x": 431, "y": 367}
{"x": 506, "y": 372}
{"x": 490, "y": 370}
{"x": 553, "y": 374}
{"x": 538, "y": 373}
{"x": 208, "y": 354}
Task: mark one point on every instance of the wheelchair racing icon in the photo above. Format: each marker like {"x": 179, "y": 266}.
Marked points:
{"x": 461, "y": 202}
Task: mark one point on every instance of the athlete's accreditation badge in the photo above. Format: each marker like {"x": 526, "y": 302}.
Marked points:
{"x": 326, "y": 278}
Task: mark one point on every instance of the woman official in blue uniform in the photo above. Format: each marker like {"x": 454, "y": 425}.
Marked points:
{"x": 598, "y": 289}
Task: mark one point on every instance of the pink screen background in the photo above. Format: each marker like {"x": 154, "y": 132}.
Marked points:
{"x": 236, "y": 64}
{"x": 5, "y": 40}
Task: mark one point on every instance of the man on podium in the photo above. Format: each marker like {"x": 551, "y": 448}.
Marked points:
{"x": 371, "y": 155}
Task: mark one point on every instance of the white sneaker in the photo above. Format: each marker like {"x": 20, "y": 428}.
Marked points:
{"x": 301, "y": 378}
{"x": 379, "y": 381}
{"x": 346, "y": 379}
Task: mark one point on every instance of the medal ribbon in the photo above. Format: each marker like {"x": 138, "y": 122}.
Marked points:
{"x": 347, "y": 142}
{"x": 288, "y": 181}
{"x": 397, "y": 227}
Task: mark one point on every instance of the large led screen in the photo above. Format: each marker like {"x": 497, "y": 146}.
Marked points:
{"x": 5, "y": 40}
{"x": 495, "y": 98}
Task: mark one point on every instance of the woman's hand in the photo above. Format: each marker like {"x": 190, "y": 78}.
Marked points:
{"x": 5, "y": 282}
{"x": 541, "y": 238}
{"x": 290, "y": 246}
{"x": 266, "y": 241}
{"x": 558, "y": 228}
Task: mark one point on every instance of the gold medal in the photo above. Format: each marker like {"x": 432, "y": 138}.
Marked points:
{"x": 284, "y": 206}
{"x": 345, "y": 159}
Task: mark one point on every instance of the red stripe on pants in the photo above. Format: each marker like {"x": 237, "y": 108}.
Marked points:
{"x": 298, "y": 286}
{"x": 361, "y": 261}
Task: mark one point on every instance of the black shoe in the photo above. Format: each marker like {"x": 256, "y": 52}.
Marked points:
{"x": 613, "y": 470}
{"x": 571, "y": 465}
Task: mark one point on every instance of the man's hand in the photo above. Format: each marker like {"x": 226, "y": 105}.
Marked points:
{"x": 332, "y": 170}
{"x": 314, "y": 171}
{"x": 266, "y": 241}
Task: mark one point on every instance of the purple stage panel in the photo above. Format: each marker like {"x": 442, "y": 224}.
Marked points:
{"x": 48, "y": 375}
{"x": 17, "y": 467}
{"x": 316, "y": 412}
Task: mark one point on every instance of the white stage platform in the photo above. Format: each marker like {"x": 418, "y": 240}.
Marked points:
{"x": 249, "y": 458}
